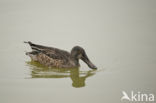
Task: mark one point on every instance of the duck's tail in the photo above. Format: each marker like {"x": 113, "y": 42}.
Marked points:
{"x": 33, "y": 53}
{"x": 29, "y": 42}
{"x": 33, "y": 46}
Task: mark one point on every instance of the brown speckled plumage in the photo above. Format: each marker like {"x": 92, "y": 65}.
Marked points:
{"x": 53, "y": 57}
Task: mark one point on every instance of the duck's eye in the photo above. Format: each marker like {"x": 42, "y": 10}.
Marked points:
{"x": 79, "y": 52}
{"x": 79, "y": 56}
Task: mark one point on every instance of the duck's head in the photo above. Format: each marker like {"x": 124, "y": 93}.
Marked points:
{"x": 79, "y": 53}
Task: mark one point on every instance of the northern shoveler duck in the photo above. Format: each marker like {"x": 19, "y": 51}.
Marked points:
{"x": 53, "y": 57}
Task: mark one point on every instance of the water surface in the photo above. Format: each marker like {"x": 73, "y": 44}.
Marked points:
{"x": 118, "y": 36}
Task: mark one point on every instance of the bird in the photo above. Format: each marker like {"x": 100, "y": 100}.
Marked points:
{"x": 54, "y": 57}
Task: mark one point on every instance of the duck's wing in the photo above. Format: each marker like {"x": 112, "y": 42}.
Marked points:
{"x": 50, "y": 51}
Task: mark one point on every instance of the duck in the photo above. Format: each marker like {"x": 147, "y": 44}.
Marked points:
{"x": 54, "y": 57}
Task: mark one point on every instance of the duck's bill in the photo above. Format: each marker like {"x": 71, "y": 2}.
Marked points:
{"x": 88, "y": 62}
{"x": 91, "y": 65}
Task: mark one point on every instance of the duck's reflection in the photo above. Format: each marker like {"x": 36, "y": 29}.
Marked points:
{"x": 78, "y": 77}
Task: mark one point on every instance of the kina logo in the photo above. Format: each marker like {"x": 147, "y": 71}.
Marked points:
{"x": 137, "y": 96}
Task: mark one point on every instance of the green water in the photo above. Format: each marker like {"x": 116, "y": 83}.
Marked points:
{"x": 77, "y": 77}
{"x": 118, "y": 37}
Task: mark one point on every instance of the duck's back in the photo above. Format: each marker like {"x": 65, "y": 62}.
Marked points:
{"x": 49, "y": 56}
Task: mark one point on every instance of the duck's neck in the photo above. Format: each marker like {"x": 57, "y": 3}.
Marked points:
{"x": 75, "y": 61}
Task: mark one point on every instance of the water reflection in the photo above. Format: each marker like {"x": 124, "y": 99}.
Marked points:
{"x": 78, "y": 77}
